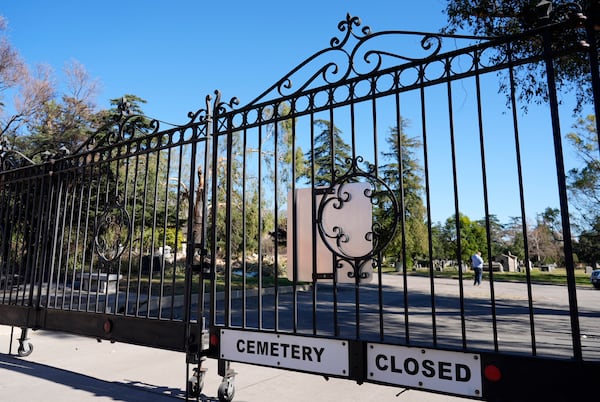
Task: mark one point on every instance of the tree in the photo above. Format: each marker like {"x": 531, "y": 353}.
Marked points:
{"x": 14, "y": 73}
{"x": 404, "y": 175}
{"x": 12, "y": 67}
{"x": 545, "y": 239}
{"x": 56, "y": 122}
{"x": 285, "y": 158}
{"x": 588, "y": 246}
{"x": 495, "y": 18}
{"x": 331, "y": 154}
{"x": 584, "y": 182}
{"x": 39, "y": 117}
{"x": 497, "y": 235}
{"x": 472, "y": 238}
{"x": 514, "y": 237}
{"x": 437, "y": 240}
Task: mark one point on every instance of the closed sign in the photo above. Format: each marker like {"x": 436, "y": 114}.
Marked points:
{"x": 429, "y": 369}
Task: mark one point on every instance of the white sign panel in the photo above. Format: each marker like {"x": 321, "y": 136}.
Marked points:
{"x": 354, "y": 218}
{"x": 429, "y": 369}
{"x": 315, "y": 355}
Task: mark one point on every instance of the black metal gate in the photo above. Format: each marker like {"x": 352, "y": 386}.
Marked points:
{"x": 299, "y": 231}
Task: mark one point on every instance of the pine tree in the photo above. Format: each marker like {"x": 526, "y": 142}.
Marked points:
{"x": 331, "y": 155}
{"x": 404, "y": 175}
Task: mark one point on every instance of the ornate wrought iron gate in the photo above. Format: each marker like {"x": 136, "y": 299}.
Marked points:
{"x": 181, "y": 238}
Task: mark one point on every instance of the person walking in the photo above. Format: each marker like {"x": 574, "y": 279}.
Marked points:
{"x": 477, "y": 264}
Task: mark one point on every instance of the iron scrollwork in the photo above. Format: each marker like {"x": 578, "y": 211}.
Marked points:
{"x": 357, "y": 47}
{"x": 356, "y": 231}
{"x": 113, "y": 232}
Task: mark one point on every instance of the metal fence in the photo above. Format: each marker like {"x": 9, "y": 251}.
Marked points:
{"x": 301, "y": 230}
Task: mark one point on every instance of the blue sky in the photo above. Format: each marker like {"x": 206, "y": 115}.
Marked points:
{"x": 173, "y": 54}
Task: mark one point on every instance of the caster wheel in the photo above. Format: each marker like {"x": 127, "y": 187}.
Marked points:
{"x": 25, "y": 351}
{"x": 193, "y": 390}
{"x": 226, "y": 391}
{"x": 195, "y": 385}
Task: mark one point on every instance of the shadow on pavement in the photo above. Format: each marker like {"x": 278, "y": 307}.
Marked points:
{"x": 129, "y": 391}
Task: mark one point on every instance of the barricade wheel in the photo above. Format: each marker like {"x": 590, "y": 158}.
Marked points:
{"x": 195, "y": 384}
{"x": 25, "y": 351}
{"x": 193, "y": 390}
{"x": 226, "y": 391}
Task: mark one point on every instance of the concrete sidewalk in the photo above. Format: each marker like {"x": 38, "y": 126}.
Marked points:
{"x": 66, "y": 368}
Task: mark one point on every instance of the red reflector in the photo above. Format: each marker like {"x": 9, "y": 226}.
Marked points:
{"x": 492, "y": 373}
{"x": 107, "y": 326}
{"x": 214, "y": 340}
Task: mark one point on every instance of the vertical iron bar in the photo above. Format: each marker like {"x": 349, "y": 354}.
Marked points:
{"x": 21, "y": 207}
{"x": 134, "y": 197}
{"x": 204, "y": 238}
{"x": 146, "y": 168}
{"x": 155, "y": 201}
{"x": 90, "y": 239}
{"x": 333, "y": 257}
{"x": 46, "y": 241}
{"x": 402, "y": 213}
{"x": 58, "y": 240}
{"x": 21, "y": 269}
{"x": 78, "y": 236}
{"x": 313, "y": 228}
{"x": 485, "y": 197}
{"x": 190, "y": 246}
{"x": 428, "y": 201}
{"x": 213, "y": 123}
{"x": 163, "y": 265}
{"x": 7, "y": 201}
{"x": 117, "y": 305}
{"x": 244, "y": 134}
{"x": 70, "y": 210}
{"x": 177, "y": 225}
{"x": 524, "y": 229}
{"x": 456, "y": 205}
{"x": 40, "y": 244}
{"x": 98, "y": 213}
{"x": 294, "y": 211}
{"x": 118, "y": 263}
{"x": 276, "y": 113}
{"x": 259, "y": 304}
{"x": 562, "y": 192}
{"x": 228, "y": 222}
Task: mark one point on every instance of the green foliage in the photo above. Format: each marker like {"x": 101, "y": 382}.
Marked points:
{"x": 493, "y": 18}
{"x": 472, "y": 238}
{"x": 588, "y": 246}
{"x": 404, "y": 175}
{"x": 331, "y": 154}
{"x": 171, "y": 237}
{"x": 584, "y": 182}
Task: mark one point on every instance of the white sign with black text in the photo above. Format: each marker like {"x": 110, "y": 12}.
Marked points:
{"x": 315, "y": 355}
{"x": 428, "y": 369}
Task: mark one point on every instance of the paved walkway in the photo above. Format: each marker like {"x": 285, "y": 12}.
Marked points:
{"x": 66, "y": 368}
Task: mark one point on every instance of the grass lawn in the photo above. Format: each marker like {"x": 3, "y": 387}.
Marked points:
{"x": 176, "y": 285}
{"x": 557, "y": 277}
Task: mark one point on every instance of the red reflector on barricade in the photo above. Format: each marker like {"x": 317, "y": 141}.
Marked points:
{"x": 107, "y": 326}
{"x": 492, "y": 373}
{"x": 214, "y": 340}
